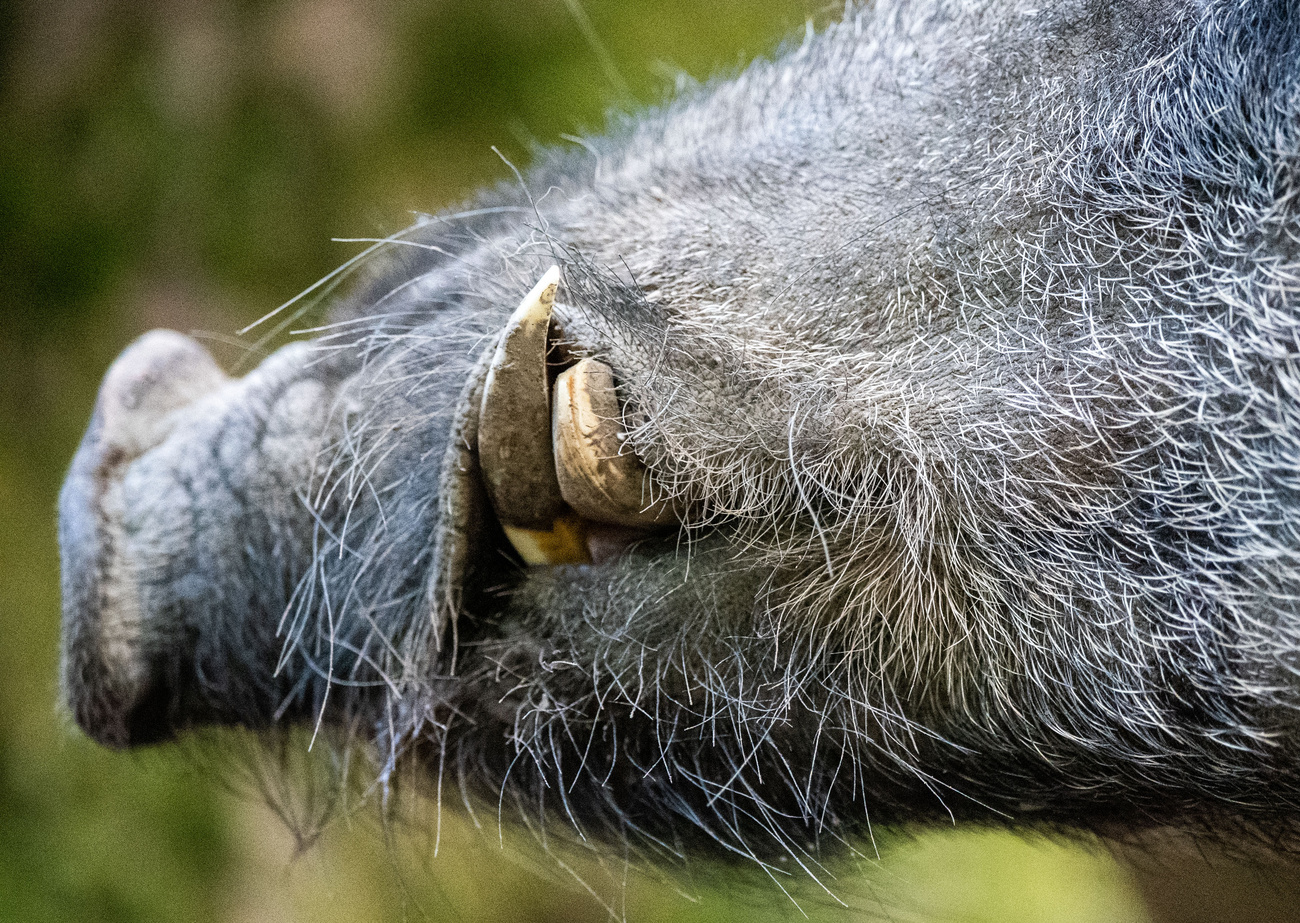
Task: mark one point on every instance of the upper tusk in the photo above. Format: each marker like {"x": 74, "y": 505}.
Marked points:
{"x": 514, "y": 438}
{"x": 514, "y": 443}
{"x": 597, "y": 476}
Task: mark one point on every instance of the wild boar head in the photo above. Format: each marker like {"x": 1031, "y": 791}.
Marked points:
{"x": 908, "y": 430}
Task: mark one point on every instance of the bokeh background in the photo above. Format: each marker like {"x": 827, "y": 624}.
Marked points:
{"x": 187, "y": 163}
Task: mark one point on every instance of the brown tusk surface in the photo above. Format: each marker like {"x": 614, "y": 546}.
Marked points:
{"x": 514, "y": 434}
{"x": 597, "y": 476}
{"x": 514, "y": 438}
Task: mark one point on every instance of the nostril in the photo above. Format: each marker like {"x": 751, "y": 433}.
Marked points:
{"x": 160, "y": 372}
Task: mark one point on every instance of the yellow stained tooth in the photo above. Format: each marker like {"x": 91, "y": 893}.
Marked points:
{"x": 597, "y": 476}
{"x": 514, "y": 438}
{"x": 564, "y": 543}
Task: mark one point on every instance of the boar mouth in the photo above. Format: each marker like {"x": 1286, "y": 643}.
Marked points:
{"x": 540, "y": 440}
{"x": 534, "y": 469}
{"x": 551, "y": 444}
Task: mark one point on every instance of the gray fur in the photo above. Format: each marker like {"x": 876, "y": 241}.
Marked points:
{"x": 970, "y": 332}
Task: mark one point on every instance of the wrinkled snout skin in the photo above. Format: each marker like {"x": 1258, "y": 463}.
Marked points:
{"x": 964, "y": 342}
{"x": 177, "y": 465}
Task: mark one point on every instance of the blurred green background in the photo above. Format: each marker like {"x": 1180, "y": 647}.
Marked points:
{"x": 186, "y": 164}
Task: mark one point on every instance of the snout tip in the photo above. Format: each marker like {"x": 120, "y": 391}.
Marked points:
{"x": 160, "y": 372}
{"x": 112, "y": 681}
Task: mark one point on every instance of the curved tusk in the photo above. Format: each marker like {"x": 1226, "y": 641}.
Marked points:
{"x": 514, "y": 437}
{"x": 597, "y": 476}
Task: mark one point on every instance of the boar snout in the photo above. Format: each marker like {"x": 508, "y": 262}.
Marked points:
{"x": 113, "y": 684}
{"x": 163, "y": 527}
